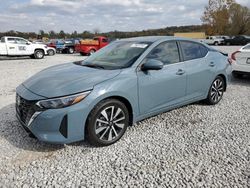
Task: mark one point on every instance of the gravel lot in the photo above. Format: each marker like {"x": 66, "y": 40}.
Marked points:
{"x": 196, "y": 145}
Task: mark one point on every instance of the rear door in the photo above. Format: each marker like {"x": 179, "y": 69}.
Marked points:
{"x": 159, "y": 89}
{"x": 11, "y": 46}
{"x": 199, "y": 69}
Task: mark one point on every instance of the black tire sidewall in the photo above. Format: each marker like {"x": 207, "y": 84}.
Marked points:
{"x": 90, "y": 129}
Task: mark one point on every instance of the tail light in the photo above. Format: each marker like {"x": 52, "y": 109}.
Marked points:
{"x": 233, "y": 57}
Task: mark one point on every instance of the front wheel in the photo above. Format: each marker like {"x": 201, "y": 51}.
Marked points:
{"x": 107, "y": 123}
{"x": 39, "y": 54}
{"x": 216, "y": 91}
{"x": 51, "y": 52}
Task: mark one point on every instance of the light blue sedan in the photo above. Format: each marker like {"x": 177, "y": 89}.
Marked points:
{"x": 125, "y": 82}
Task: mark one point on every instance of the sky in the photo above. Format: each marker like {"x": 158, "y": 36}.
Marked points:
{"x": 104, "y": 15}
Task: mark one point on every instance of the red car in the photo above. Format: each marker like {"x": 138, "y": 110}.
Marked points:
{"x": 88, "y": 47}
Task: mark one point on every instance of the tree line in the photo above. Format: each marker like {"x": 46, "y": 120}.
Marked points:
{"x": 220, "y": 17}
{"x": 226, "y": 17}
{"x": 113, "y": 34}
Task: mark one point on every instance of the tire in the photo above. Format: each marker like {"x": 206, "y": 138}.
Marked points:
{"x": 91, "y": 52}
{"x": 71, "y": 50}
{"x": 83, "y": 54}
{"x": 216, "y": 43}
{"x": 216, "y": 91}
{"x": 39, "y": 54}
{"x": 32, "y": 56}
{"x": 51, "y": 52}
{"x": 103, "y": 128}
{"x": 228, "y": 44}
{"x": 237, "y": 75}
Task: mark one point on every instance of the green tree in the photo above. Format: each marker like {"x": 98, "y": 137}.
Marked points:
{"x": 62, "y": 34}
{"x": 216, "y": 16}
{"x": 239, "y": 20}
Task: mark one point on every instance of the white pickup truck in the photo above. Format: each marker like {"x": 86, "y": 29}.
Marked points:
{"x": 16, "y": 46}
{"x": 213, "y": 40}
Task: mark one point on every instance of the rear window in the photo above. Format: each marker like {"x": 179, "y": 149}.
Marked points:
{"x": 247, "y": 47}
{"x": 192, "y": 50}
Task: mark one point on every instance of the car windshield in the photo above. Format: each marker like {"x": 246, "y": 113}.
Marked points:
{"x": 121, "y": 54}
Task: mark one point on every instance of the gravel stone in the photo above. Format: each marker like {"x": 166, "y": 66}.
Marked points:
{"x": 193, "y": 146}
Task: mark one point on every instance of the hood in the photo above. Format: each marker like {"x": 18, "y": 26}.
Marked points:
{"x": 39, "y": 45}
{"x": 67, "y": 79}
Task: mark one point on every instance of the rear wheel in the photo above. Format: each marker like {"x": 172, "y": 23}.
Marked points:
{"x": 216, "y": 91}
{"x": 216, "y": 43}
{"x": 107, "y": 122}
{"x": 91, "y": 52}
{"x": 39, "y": 54}
{"x": 71, "y": 50}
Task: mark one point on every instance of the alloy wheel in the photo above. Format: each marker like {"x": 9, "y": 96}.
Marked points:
{"x": 110, "y": 123}
{"x": 217, "y": 90}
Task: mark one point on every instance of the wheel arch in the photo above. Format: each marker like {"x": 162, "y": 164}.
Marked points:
{"x": 40, "y": 49}
{"x": 225, "y": 80}
{"x": 119, "y": 98}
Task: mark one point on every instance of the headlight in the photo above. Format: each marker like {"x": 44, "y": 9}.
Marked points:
{"x": 62, "y": 101}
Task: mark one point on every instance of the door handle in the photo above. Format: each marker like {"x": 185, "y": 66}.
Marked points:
{"x": 211, "y": 64}
{"x": 180, "y": 72}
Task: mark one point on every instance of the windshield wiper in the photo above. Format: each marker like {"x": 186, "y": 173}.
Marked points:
{"x": 94, "y": 66}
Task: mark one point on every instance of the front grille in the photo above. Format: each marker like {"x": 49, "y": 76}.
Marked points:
{"x": 25, "y": 109}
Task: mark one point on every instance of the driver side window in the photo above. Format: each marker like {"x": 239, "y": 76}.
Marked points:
{"x": 166, "y": 52}
{"x": 21, "y": 41}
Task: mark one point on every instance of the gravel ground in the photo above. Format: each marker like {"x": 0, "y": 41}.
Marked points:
{"x": 196, "y": 145}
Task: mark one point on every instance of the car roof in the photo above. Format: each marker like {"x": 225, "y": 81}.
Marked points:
{"x": 13, "y": 37}
{"x": 155, "y": 39}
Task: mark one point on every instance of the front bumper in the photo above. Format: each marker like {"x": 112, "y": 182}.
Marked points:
{"x": 61, "y": 126}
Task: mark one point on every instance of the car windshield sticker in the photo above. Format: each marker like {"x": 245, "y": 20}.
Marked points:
{"x": 139, "y": 45}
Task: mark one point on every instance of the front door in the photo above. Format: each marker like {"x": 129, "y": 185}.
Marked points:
{"x": 159, "y": 89}
{"x": 24, "y": 47}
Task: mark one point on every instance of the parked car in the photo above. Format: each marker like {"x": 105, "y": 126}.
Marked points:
{"x": 238, "y": 40}
{"x": 213, "y": 40}
{"x": 16, "y": 46}
{"x": 88, "y": 47}
{"x": 64, "y": 46}
{"x": 125, "y": 82}
{"x": 241, "y": 65}
{"x": 51, "y": 51}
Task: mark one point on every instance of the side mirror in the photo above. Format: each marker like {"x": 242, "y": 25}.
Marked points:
{"x": 152, "y": 64}
{"x": 28, "y": 43}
